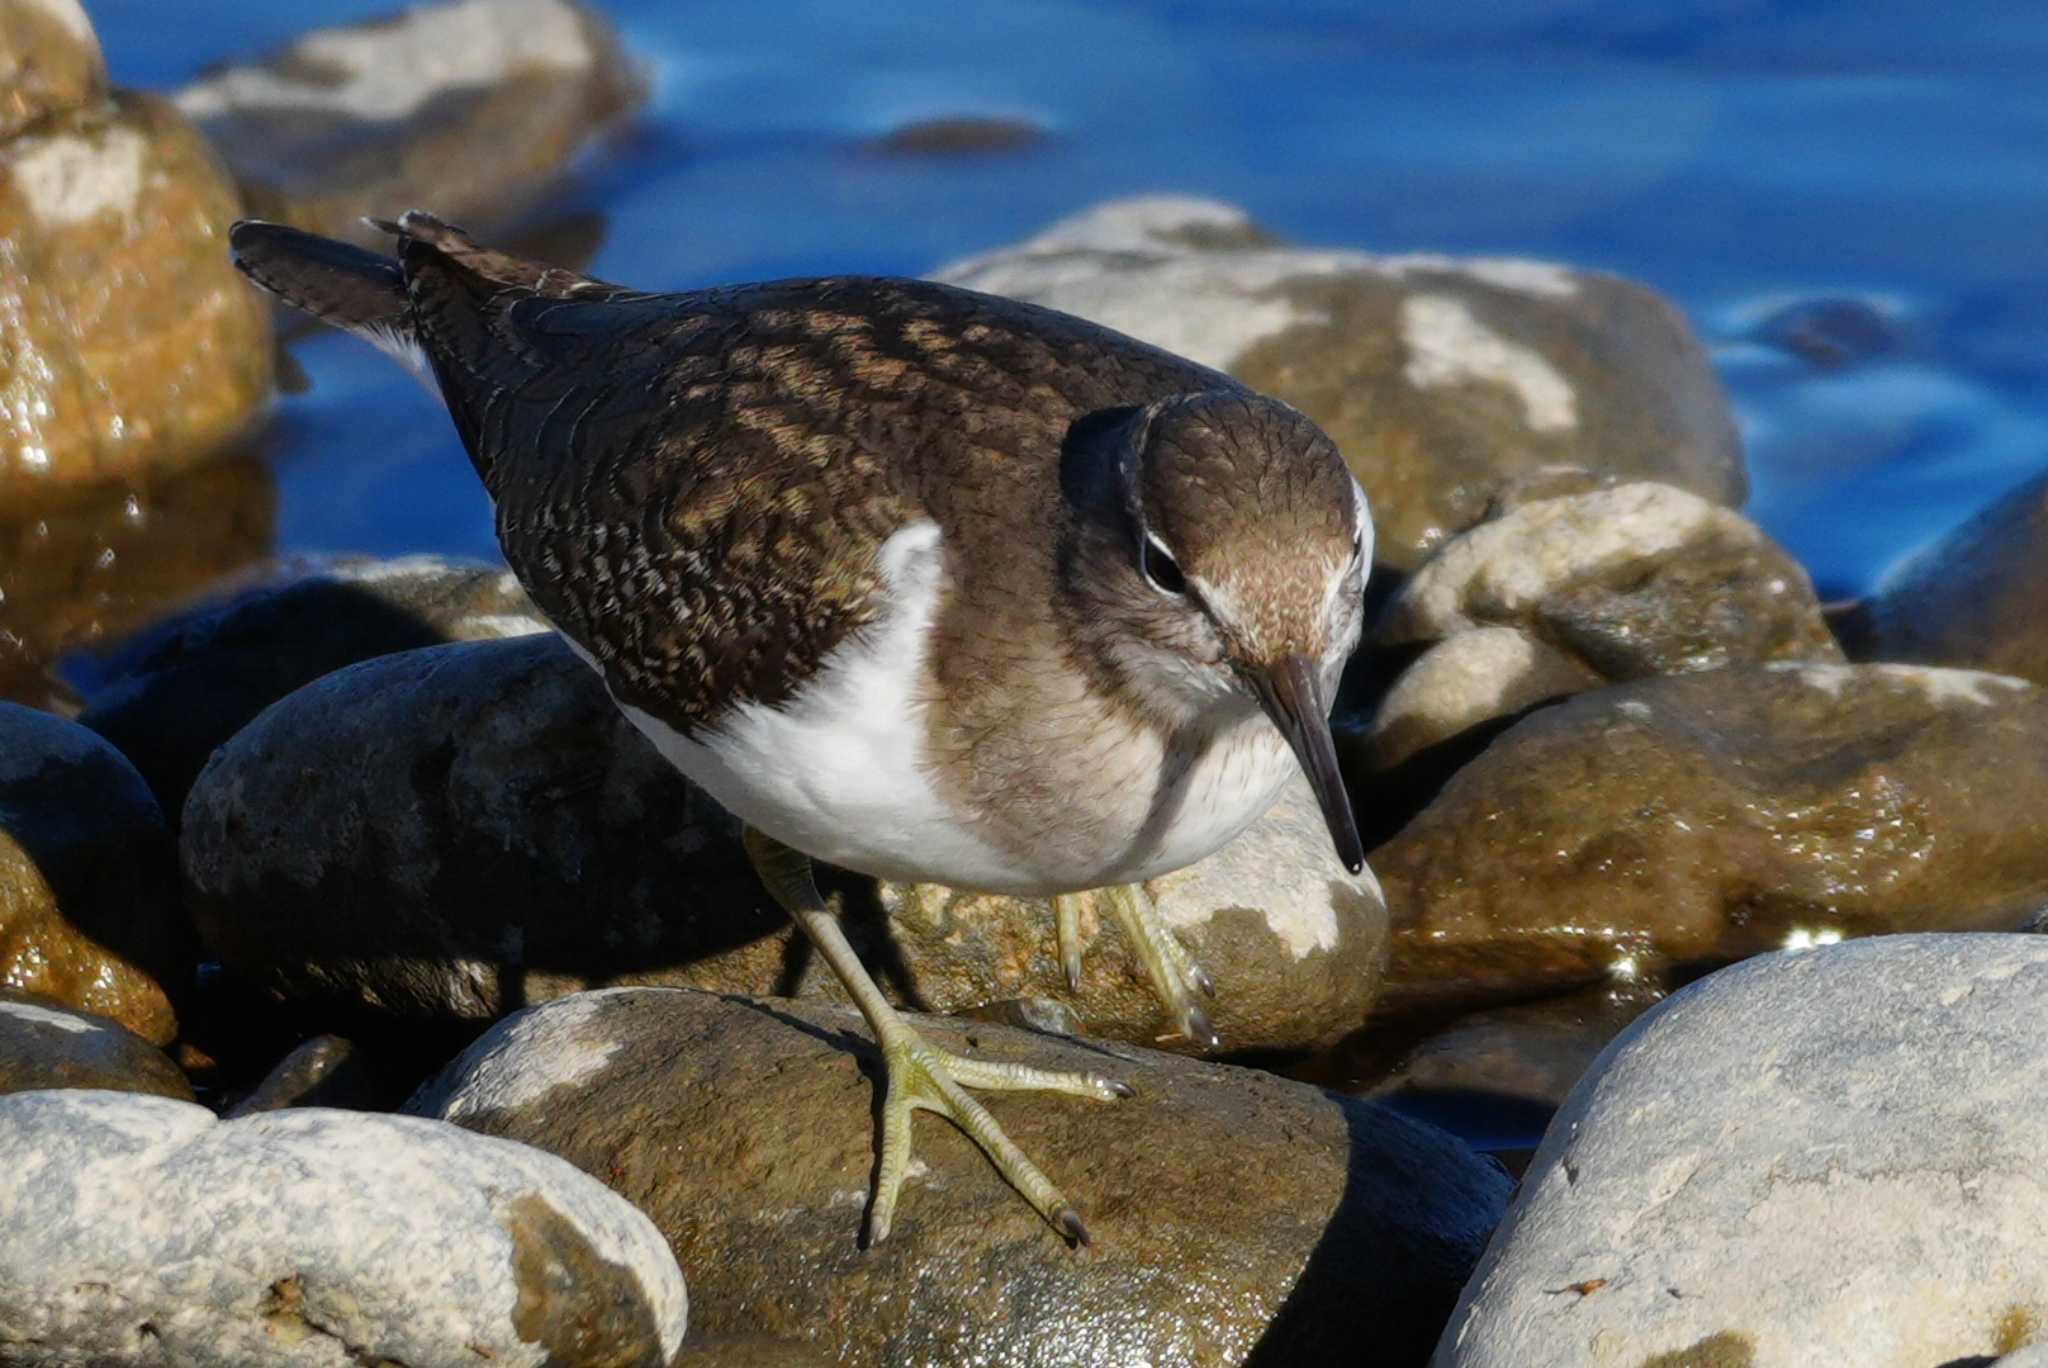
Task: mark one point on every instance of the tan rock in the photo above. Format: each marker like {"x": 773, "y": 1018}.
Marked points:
{"x": 88, "y": 910}
{"x": 1556, "y": 594}
{"x": 524, "y": 841}
{"x": 127, "y": 341}
{"x": 468, "y": 109}
{"x": 1697, "y": 819}
{"x": 1237, "y": 1217}
{"x": 49, "y": 61}
{"x": 1438, "y": 377}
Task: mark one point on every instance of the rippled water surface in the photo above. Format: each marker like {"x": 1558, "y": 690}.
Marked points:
{"x": 1739, "y": 155}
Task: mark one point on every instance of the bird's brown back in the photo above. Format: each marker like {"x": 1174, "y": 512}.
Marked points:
{"x": 694, "y": 486}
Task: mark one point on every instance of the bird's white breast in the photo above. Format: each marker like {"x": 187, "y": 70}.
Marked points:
{"x": 836, "y": 770}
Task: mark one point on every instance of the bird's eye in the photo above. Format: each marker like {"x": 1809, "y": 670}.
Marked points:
{"x": 1160, "y": 569}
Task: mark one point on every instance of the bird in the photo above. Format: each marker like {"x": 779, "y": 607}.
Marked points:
{"x": 923, "y": 583}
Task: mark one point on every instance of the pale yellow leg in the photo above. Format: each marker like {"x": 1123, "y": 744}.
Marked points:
{"x": 1169, "y": 968}
{"x": 920, "y": 1076}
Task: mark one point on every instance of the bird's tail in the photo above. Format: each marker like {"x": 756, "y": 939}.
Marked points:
{"x": 338, "y": 283}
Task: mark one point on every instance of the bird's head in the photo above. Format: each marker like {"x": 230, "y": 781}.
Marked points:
{"x": 1220, "y": 566}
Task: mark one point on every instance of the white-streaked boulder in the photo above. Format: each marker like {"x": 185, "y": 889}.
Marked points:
{"x": 142, "y": 1230}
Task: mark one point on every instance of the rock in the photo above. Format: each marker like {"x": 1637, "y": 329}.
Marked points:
{"x": 1437, "y": 377}
{"x": 80, "y": 571}
{"x": 1831, "y": 333}
{"x": 1696, "y": 819}
{"x": 960, "y": 136}
{"x": 1556, "y": 595}
{"x": 44, "y": 1044}
{"x": 745, "y": 1351}
{"x": 144, "y": 1231}
{"x": 1973, "y": 598}
{"x": 88, "y": 896}
{"x": 1831, "y": 1157}
{"x": 450, "y": 833}
{"x": 326, "y": 1071}
{"x": 135, "y": 345}
{"x": 49, "y": 61}
{"x": 1232, "y": 1211}
{"x": 175, "y": 693}
{"x": 469, "y": 108}
{"x": 1503, "y": 1063}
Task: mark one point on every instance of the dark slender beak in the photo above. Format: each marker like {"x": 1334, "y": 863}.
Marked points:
{"x": 1292, "y": 691}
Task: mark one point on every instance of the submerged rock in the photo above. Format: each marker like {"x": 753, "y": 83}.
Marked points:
{"x": 1555, "y": 595}
{"x": 134, "y": 344}
{"x": 1437, "y": 377}
{"x": 1831, "y": 1157}
{"x": 1697, "y": 819}
{"x": 467, "y": 108}
{"x": 1235, "y": 1215}
{"x": 174, "y": 693}
{"x": 1974, "y": 598}
{"x": 44, "y": 1044}
{"x": 144, "y": 1231}
{"x": 451, "y": 833}
{"x": 88, "y": 894}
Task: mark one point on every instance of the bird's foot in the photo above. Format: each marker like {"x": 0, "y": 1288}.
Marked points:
{"x": 1169, "y": 968}
{"x": 922, "y": 1077}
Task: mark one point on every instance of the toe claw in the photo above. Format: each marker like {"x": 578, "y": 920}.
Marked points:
{"x": 1068, "y": 1221}
{"x": 1199, "y": 977}
{"x": 1073, "y": 967}
{"x": 1119, "y": 1088}
{"x": 1198, "y": 1028}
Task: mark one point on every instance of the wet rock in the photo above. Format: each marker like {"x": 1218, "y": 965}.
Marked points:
{"x": 1232, "y": 1212}
{"x": 172, "y": 695}
{"x": 326, "y": 1071}
{"x": 746, "y": 1351}
{"x": 469, "y": 108}
{"x": 134, "y": 345}
{"x": 44, "y": 1044}
{"x": 1973, "y": 598}
{"x": 1509, "y": 1062}
{"x": 1438, "y": 377}
{"x": 49, "y": 61}
{"x": 1555, "y": 595}
{"x": 1696, "y": 819}
{"x": 144, "y": 1231}
{"x": 88, "y": 910}
{"x": 960, "y": 136}
{"x": 1830, "y": 1157}
{"x": 448, "y": 834}
{"x": 78, "y": 572}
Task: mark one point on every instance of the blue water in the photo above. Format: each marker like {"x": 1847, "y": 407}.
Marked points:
{"x": 1737, "y": 154}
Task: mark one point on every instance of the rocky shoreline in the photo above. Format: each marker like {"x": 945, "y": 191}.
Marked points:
{"x": 371, "y": 992}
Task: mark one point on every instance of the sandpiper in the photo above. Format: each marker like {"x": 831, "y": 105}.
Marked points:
{"x": 925, "y": 583}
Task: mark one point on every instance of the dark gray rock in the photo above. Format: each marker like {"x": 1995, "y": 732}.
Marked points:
{"x": 44, "y": 1044}
{"x": 176, "y": 691}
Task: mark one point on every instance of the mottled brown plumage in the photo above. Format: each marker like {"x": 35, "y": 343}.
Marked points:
{"x": 932, "y": 584}
{"x": 730, "y": 459}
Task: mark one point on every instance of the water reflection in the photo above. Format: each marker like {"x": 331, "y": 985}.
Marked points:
{"x": 85, "y": 571}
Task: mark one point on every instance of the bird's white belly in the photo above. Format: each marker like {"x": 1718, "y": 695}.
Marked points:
{"x": 836, "y": 771}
